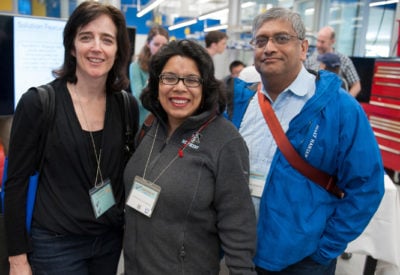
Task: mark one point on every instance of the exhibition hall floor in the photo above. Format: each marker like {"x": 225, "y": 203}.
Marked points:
{"x": 353, "y": 266}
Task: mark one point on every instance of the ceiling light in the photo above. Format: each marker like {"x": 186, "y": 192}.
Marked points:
{"x": 223, "y": 11}
{"x": 214, "y": 14}
{"x": 381, "y": 3}
{"x": 149, "y": 7}
{"x": 247, "y": 5}
{"x": 182, "y": 24}
{"x": 216, "y": 28}
{"x": 309, "y": 11}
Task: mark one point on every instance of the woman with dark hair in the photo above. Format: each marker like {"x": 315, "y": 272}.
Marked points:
{"x": 187, "y": 193}
{"x": 139, "y": 69}
{"x": 78, "y": 220}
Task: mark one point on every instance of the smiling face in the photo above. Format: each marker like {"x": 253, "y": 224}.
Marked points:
{"x": 95, "y": 48}
{"x": 279, "y": 60}
{"x": 179, "y": 101}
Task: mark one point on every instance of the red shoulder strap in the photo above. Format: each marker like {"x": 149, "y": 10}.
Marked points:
{"x": 318, "y": 176}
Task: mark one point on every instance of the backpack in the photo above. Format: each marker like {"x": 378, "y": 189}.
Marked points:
{"x": 47, "y": 99}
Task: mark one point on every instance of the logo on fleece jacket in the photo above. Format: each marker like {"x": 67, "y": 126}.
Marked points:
{"x": 194, "y": 141}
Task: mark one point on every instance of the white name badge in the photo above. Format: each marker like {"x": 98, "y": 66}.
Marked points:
{"x": 143, "y": 196}
{"x": 256, "y": 182}
{"x": 102, "y": 198}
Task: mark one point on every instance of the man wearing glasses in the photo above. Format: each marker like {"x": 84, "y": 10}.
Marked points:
{"x": 302, "y": 227}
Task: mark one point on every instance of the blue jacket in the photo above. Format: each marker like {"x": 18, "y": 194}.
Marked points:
{"x": 298, "y": 218}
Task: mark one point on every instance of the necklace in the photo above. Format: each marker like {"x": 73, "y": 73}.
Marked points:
{"x": 96, "y": 155}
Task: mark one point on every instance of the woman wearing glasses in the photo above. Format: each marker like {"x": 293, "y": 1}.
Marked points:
{"x": 187, "y": 198}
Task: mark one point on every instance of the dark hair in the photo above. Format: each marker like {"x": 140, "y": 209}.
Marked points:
{"x": 213, "y": 93}
{"x": 145, "y": 54}
{"x": 214, "y": 37}
{"x": 236, "y": 63}
{"x": 85, "y": 13}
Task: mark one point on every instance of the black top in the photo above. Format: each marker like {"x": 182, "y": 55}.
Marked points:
{"x": 62, "y": 203}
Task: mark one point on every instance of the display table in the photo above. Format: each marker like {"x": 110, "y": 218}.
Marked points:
{"x": 381, "y": 238}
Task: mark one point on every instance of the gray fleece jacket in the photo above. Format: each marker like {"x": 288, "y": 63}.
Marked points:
{"x": 204, "y": 210}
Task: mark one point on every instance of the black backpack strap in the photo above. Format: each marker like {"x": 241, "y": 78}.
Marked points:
{"x": 129, "y": 146}
{"x": 47, "y": 98}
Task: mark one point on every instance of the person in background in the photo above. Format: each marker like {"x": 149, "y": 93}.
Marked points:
{"x": 84, "y": 157}
{"x": 325, "y": 42}
{"x": 196, "y": 163}
{"x": 303, "y": 228}
{"x": 215, "y": 42}
{"x": 235, "y": 68}
{"x": 139, "y": 69}
{"x": 331, "y": 62}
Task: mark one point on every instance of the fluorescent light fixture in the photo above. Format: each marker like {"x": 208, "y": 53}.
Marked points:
{"x": 223, "y": 11}
{"x": 214, "y": 14}
{"x": 149, "y": 7}
{"x": 216, "y": 28}
{"x": 247, "y": 5}
{"x": 182, "y": 24}
{"x": 381, "y": 3}
{"x": 309, "y": 11}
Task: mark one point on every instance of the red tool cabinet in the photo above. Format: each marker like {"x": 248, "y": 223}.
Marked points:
{"x": 383, "y": 110}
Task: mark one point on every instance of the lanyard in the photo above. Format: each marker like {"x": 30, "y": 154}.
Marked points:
{"x": 180, "y": 150}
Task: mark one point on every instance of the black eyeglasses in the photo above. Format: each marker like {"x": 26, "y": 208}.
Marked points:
{"x": 189, "y": 81}
{"x": 277, "y": 39}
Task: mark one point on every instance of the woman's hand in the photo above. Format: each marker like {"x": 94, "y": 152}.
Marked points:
{"x": 19, "y": 265}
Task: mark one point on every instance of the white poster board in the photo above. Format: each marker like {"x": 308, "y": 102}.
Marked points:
{"x": 38, "y": 49}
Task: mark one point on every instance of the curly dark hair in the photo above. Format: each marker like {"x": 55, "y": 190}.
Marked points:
{"x": 213, "y": 90}
{"x": 85, "y": 13}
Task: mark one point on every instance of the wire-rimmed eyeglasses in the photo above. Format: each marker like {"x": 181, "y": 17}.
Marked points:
{"x": 277, "y": 39}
